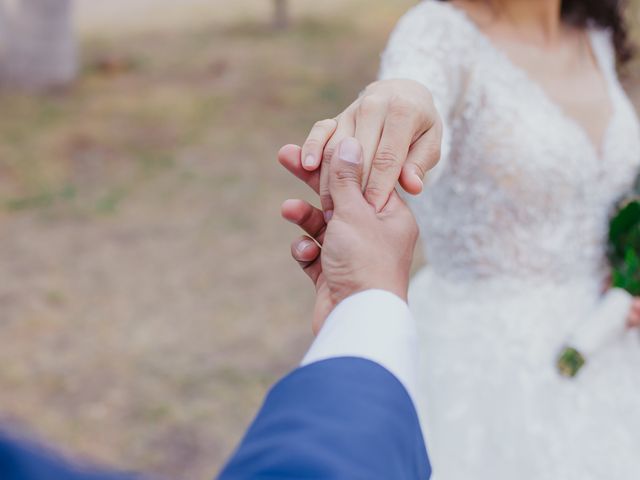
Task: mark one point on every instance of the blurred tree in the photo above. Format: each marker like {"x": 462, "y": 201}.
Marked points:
{"x": 281, "y": 14}
{"x": 38, "y": 49}
{"x": 3, "y": 28}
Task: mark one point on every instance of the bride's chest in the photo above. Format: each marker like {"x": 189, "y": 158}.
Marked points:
{"x": 507, "y": 136}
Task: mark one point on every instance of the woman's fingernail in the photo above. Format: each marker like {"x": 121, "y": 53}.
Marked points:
{"x": 420, "y": 181}
{"x": 327, "y": 215}
{"x": 350, "y": 151}
{"x": 303, "y": 245}
{"x": 309, "y": 161}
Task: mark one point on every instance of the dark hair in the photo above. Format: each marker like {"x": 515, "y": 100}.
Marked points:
{"x": 601, "y": 13}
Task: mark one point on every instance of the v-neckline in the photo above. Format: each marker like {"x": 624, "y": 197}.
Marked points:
{"x": 598, "y": 149}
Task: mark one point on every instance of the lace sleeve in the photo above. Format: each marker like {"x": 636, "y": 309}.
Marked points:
{"x": 428, "y": 46}
{"x": 431, "y": 45}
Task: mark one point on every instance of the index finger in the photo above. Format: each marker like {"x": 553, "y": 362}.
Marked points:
{"x": 290, "y": 157}
{"x": 313, "y": 147}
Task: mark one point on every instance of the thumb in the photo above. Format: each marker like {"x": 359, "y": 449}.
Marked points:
{"x": 345, "y": 174}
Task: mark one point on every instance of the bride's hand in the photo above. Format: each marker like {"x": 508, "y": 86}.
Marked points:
{"x": 633, "y": 320}
{"x": 350, "y": 262}
{"x": 400, "y": 131}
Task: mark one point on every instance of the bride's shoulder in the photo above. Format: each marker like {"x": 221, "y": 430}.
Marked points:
{"x": 431, "y": 16}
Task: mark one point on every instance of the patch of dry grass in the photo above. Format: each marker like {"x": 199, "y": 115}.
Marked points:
{"x": 147, "y": 295}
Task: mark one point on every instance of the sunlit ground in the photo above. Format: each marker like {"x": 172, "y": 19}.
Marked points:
{"x": 147, "y": 295}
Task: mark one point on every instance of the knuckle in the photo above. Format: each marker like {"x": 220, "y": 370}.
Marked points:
{"x": 372, "y": 86}
{"x": 325, "y": 195}
{"x": 371, "y": 104}
{"x": 311, "y": 144}
{"x": 325, "y": 125}
{"x": 346, "y": 176}
{"x": 421, "y": 169}
{"x": 386, "y": 159}
{"x": 323, "y": 190}
{"x": 374, "y": 190}
{"x": 328, "y": 153}
{"x": 401, "y": 107}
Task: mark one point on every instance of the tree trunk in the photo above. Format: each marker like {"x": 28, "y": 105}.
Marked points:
{"x": 281, "y": 14}
{"x": 3, "y": 20}
{"x": 4, "y": 33}
{"x": 40, "y": 48}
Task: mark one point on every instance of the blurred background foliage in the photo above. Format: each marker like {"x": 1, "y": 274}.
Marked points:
{"x": 147, "y": 296}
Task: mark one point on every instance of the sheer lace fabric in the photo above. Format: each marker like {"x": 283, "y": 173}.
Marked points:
{"x": 514, "y": 221}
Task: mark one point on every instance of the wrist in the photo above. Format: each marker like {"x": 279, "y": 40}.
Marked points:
{"x": 396, "y": 283}
{"x": 397, "y": 287}
{"x": 370, "y": 291}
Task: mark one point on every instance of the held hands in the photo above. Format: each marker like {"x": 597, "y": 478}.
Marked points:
{"x": 400, "y": 131}
{"x": 362, "y": 248}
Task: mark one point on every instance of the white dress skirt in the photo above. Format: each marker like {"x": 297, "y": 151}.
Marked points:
{"x": 514, "y": 221}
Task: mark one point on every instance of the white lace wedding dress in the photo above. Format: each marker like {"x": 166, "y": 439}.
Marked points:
{"x": 514, "y": 221}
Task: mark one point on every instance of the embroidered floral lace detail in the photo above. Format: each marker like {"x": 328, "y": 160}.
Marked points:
{"x": 521, "y": 190}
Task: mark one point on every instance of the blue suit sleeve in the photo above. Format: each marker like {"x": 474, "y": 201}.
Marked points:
{"x": 24, "y": 460}
{"x": 343, "y": 418}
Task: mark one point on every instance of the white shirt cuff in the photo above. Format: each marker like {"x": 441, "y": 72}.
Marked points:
{"x": 375, "y": 325}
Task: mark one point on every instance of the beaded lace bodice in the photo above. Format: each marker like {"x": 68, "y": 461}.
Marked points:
{"x": 521, "y": 191}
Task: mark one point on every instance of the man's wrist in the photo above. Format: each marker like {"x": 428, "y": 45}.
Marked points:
{"x": 398, "y": 288}
{"x": 375, "y": 325}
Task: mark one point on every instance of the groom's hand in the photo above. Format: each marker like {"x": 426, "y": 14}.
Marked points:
{"x": 361, "y": 249}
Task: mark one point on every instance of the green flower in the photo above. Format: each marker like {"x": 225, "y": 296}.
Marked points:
{"x": 624, "y": 246}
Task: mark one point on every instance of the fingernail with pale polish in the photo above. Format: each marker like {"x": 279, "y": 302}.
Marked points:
{"x": 303, "y": 245}
{"x": 327, "y": 215}
{"x": 350, "y": 151}
{"x": 309, "y": 161}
